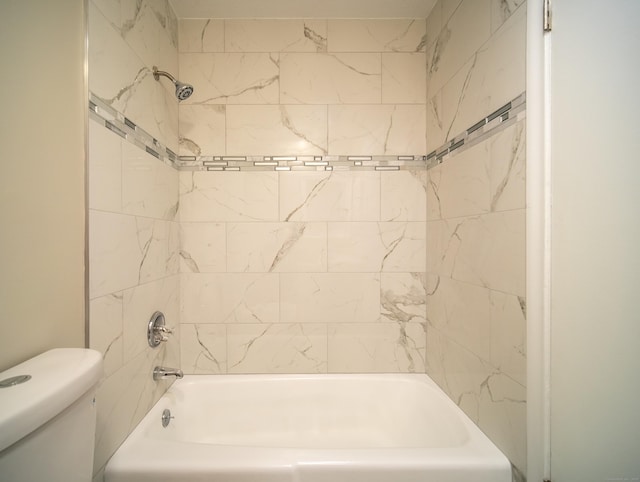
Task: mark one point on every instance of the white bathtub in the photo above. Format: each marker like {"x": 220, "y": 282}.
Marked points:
{"x": 307, "y": 428}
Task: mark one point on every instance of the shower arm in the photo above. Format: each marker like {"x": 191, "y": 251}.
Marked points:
{"x": 157, "y": 73}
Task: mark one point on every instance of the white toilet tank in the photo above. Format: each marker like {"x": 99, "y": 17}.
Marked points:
{"x": 48, "y": 421}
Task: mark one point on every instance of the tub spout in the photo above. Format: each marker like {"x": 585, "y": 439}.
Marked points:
{"x": 163, "y": 372}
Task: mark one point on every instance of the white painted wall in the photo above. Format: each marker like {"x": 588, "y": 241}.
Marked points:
{"x": 42, "y": 188}
{"x": 595, "y": 244}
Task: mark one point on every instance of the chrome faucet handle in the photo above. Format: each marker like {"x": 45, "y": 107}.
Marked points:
{"x": 156, "y": 330}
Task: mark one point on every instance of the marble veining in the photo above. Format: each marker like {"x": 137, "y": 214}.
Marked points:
{"x": 376, "y": 35}
{"x": 247, "y": 346}
{"x": 523, "y": 305}
{"x": 410, "y": 349}
{"x": 312, "y": 194}
{"x": 289, "y": 124}
{"x": 502, "y": 10}
{"x": 407, "y": 305}
{"x": 434, "y": 188}
{"x": 316, "y": 38}
{"x": 189, "y": 261}
{"x": 257, "y": 86}
{"x": 123, "y": 95}
{"x": 515, "y": 156}
{"x": 461, "y": 97}
{"x": 294, "y": 236}
{"x": 190, "y": 145}
{"x": 129, "y": 23}
{"x": 278, "y": 348}
{"x": 205, "y": 352}
{"x": 390, "y": 244}
{"x": 390, "y": 45}
{"x": 440, "y": 46}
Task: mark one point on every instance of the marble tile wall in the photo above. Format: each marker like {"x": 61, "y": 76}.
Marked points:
{"x": 340, "y": 87}
{"x": 133, "y": 228}
{"x": 288, "y": 272}
{"x": 476, "y": 304}
{"x": 303, "y": 272}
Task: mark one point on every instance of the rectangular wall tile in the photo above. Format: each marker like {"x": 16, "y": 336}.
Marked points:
{"x": 462, "y": 312}
{"x": 229, "y": 298}
{"x": 139, "y": 304}
{"x": 276, "y": 247}
{"x": 133, "y": 233}
{"x": 283, "y": 130}
{"x": 277, "y": 348}
{"x": 403, "y": 196}
{"x": 125, "y": 398}
{"x": 275, "y": 35}
{"x": 434, "y": 205}
{"x": 485, "y": 250}
{"x": 351, "y": 78}
{"x": 509, "y": 335}
{"x": 433, "y": 25}
{"x": 462, "y": 186}
{"x": 231, "y": 78}
{"x": 492, "y": 400}
{"x": 376, "y": 35}
{"x": 501, "y": 11}
{"x": 124, "y": 82}
{"x": 115, "y": 256}
{"x": 476, "y": 218}
{"x": 105, "y": 169}
{"x": 228, "y": 196}
{"x": 203, "y": 349}
{"x": 493, "y": 76}
{"x": 376, "y": 129}
{"x": 376, "y": 347}
{"x": 151, "y": 31}
{"x": 375, "y": 247}
{"x": 330, "y": 297}
{"x": 202, "y": 130}
{"x": 201, "y": 35}
{"x": 158, "y": 246}
{"x": 508, "y": 166}
{"x": 404, "y": 78}
{"x": 203, "y": 247}
{"x": 330, "y": 196}
{"x": 466, "y": 31}
{"x": 149, "y": 187}
{"x": 460, "y": 373}
{"x": 403, "y": 297}
{"x": 105, "y": 330}
{"x": 502, "y": 415}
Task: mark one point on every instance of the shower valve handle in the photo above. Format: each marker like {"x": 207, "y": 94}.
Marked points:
{"x": 157, "y": 330}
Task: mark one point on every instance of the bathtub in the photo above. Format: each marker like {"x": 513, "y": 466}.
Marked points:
{"x": 307, "y": 428}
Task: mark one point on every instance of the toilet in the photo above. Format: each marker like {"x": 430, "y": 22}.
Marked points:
{"x": 48, "y": 417}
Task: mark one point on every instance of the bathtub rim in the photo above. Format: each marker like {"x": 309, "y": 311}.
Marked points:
{"x": 139, "y": 453}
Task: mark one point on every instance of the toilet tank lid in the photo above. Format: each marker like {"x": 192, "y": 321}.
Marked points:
{"x": 59, "y": 377}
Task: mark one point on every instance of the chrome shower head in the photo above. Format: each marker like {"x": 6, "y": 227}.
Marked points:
{"x": 183, "y": 91}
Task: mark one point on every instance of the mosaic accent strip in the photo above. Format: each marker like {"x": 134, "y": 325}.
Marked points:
{"x": 496, "y": 121}
{"x": 301, "y": 163}
{"x": 127, "y": 129}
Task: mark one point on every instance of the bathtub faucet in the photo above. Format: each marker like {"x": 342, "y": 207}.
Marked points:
{"x": 163, "y": 372}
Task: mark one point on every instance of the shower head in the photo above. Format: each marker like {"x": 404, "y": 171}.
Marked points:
{"x": 183, "y": 91}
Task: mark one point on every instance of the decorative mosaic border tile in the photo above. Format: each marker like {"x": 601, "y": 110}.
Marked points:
{"x": 113, "y": 120}
{"x": 302, "y": 163}
{"x": 127, "y": 129}
{"x": 498, "y": 120}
